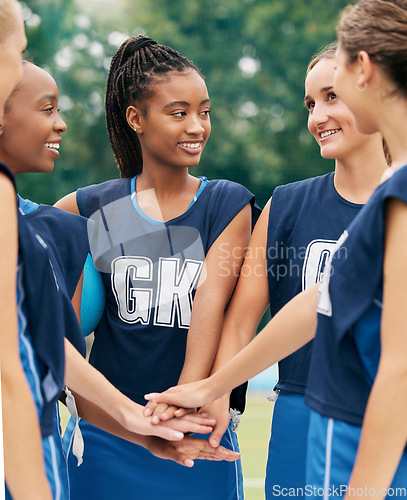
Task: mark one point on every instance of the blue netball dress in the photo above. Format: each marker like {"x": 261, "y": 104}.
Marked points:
{"x": 347, "y": 345}
{"x": 150, "y": 271}
{"x": 45, "y": 315}
{"x": 306, "y": 218}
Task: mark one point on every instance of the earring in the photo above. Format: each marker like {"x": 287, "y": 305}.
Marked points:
{"x": 361, "y": 89}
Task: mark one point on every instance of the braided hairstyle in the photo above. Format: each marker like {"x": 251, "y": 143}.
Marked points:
{"x": 136, "y": 67}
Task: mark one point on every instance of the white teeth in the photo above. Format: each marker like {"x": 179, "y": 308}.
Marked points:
{"x": 190, "y": 145}
{"x": 328, "y": 133}
{"x": 52, "y": 145}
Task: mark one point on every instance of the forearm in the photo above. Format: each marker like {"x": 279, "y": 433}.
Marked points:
{"x": 384, "y": 434}
{"x": 218, "y": 280}
{"x": 96, "y": 416}
{"x": 239, "y": 328}
{"x": 86, "y": 381}
{"x": 250, "y": 298}
{"x": 291, "y": 328}
{"x": 202, "y": 344}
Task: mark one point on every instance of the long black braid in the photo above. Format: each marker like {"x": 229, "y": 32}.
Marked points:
{"x": 136, "y": 66}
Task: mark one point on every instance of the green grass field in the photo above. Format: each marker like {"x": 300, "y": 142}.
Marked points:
{"x": 253, "y": 434}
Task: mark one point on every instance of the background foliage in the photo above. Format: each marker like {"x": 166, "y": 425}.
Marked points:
{"x": 254, "y": 54}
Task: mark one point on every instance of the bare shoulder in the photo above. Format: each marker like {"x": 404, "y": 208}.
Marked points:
{"x": 68, "y": 203}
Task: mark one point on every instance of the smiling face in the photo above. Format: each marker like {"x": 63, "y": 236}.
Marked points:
{"x": 12, "y": 44}
{"x": 329, "y": 120}
{"x": 31, "y": 129}
{"x": 175, "y": 127}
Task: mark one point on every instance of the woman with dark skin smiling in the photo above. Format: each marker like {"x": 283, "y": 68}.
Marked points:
{"x": 159, "y": 241}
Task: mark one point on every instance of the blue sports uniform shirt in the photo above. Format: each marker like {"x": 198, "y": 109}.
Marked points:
{"x": 150, "y": 271}
{"x": 306, "y": 218}
{"x": 347, "y": 343}
{"x": 66, "y": 237}
{"x": 45, "y": 315}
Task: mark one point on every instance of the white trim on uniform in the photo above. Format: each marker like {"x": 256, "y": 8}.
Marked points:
{"x": 328, "y": 455}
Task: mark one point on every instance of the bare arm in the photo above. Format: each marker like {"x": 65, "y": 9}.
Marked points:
{"x": 384, "y": 431}
{"x": 222, "y": 265}
{"x": 24, "y": 462}
{"x": 76, "y": 299}
{"x": 182, "y": 452}
{"x": 291, "y": 328}
{"x": 217, "y": 281}
{"x": 250, "y": 298}
{"x": 83, "y": 379}
{"x": 244, "y": 312}
{"x": 100, "y": 402}
{"x": 68, "y": 203}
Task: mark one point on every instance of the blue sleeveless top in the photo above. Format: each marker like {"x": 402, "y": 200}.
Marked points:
{"x": 347, "y": 343}
{"x": 306, "y": 218}
{"x": 151, "y": 271}
{"x": 66, "y": 236}
{"x": 49, "y": 313}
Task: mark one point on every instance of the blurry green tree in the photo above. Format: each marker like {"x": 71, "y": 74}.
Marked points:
{"x": 253, "y": 53}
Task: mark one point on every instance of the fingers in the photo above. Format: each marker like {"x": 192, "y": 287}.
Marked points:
{"x": 157, "y": 397}
{"x": 217, "y": 433}
{"x": 150, "y": 408}
{"x": 167, "y": 433}
{"x": 181, "y": 412}
{"x": 225, "y": 454}
{"x": 157, "y": 409}
{"x": 180, "y": 458}
{"x": 169, "y": 451}
{"x": 166, "y": 412}
{"x": 199, "y": 449}
{"x": 187, "y": 425}
{"x": 198, "y": 418}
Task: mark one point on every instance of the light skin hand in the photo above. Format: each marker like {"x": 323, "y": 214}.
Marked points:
{"x": 192, "y": 423}
{"x": 291, "y": 328}
{"x": 188, "y": 395}
{"x": 164, "y": 411}
{"x": 84, "y": 380}
{"x": 171, "y": 429}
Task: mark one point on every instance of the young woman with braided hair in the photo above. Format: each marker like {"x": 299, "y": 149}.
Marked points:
{"x": 159, "y": 238}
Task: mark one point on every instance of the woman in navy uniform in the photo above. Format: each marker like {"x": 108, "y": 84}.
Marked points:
{"x": 358, "y": 431}
{"x": 295, "y": 235}
{"x": 53, "y": 246}
{"x": 159, "y": 238}
{"x": 24, "y": 470}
